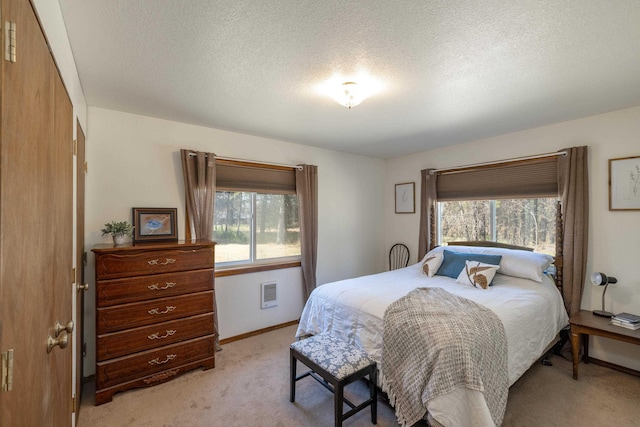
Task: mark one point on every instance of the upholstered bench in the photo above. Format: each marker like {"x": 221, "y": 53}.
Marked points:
{"x": 335, "y": 363}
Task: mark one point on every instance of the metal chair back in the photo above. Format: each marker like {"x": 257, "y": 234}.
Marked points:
{"x": 398, "y": 256}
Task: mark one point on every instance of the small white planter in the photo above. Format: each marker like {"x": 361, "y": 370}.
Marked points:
{"x": 119, "y": 239}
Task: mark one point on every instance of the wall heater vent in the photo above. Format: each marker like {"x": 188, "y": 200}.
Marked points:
{"x": 269, "y": 294}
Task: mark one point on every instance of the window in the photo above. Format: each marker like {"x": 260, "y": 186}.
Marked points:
{"x": 522, "y": 222}
{"x": 251, "y": 227}
{"x": 256, "y": 214}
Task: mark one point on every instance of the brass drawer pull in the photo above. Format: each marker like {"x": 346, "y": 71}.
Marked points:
{"x": 161, "y": 376}
{"x": 157, "y": 261}
{"x": 157, "y": 361}
{"x": 157, "y": 287}
{"x": 156, "y": 310}
{"x": 157, "y": 335}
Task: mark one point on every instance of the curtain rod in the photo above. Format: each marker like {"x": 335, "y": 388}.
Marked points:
{"x": 254, "y": 161}
{"x": 498, "y": 162}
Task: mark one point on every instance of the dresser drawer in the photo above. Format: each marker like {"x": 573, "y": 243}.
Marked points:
{"x": 138, "y": 365}
{"x": 147, "y": 337}
{"x": 121, "y": 291}
{"x": 125, "y": 316}
{"x": 143, "y": 262}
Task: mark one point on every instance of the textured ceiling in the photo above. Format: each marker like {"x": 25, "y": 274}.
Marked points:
{"x": 447, "y": 71}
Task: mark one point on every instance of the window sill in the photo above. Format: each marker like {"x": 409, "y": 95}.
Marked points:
{"x": 254, "y": 268}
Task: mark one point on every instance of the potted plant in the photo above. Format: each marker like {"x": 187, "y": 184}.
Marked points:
{"x": 119, "y": 230}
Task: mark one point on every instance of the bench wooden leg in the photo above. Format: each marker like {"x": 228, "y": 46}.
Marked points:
{"x": 337, "y": 403}
{"x": 373, "y": 377}
{"x": 293, "y": 365}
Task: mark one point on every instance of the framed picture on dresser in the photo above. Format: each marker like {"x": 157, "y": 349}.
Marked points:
{"x": 154, "y": 224}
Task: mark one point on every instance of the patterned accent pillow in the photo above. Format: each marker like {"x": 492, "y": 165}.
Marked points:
{"x": 334, "y": 355}
{"x": 453, "y": 262}
{"x": 477, "y": 274}
{"x": 431, "y": 263}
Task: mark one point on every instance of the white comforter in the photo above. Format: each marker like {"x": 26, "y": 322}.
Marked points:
{"x": 532, "y": 314}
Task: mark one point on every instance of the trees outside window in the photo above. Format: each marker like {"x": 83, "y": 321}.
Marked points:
{"x": 522, "y": 222}
{"x": 254, "y": 227}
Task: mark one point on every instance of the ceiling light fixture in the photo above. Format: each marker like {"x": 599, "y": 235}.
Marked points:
{"x": 349, "y": 94}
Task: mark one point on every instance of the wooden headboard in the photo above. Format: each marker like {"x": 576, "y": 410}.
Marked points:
{"x": 490, "y": 244}
{"x": 559, "y": 241}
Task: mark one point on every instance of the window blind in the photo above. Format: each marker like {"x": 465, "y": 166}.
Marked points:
{"x": 522, "y": 179}
{"x": 253, "y": 177}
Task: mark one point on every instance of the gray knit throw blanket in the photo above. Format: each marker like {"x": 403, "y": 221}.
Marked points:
{"x": 435, "y": 342}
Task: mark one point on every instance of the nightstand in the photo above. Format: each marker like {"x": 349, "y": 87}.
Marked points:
{"x": 585, "y": 323}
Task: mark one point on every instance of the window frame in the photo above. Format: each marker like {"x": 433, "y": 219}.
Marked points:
{"x": 237, "y": 175}
{"x": 492, "y": 217}
{"x": 253, "y": 264}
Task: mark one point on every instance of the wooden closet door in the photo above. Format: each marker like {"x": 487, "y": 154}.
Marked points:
{"x": 62, "y": 246}
{"x": 80, "y": 263}
{"x": 33, "y": 204}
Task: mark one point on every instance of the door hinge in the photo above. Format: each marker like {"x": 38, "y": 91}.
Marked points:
{"x": 73, "y": 274}
{"x": 84, "y": 258}
{"x": 86, "y": 167}
{"x": 7, "y": 370}
{"x": 73, "y": 405}
{"x": 75, "y": 147}
{"x": 10, "y": 41}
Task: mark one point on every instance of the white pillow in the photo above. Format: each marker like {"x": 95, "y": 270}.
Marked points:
{"x": 477, "y": 274}
{"x": 514, "y": 262}
{"x": 431, "y": 263}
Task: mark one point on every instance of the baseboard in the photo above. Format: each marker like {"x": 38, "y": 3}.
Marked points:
{"x": 258, "y": 332}
{"x": 614, "y": 366}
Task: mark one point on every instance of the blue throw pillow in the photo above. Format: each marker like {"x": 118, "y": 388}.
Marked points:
{"x": 453, "y": 262}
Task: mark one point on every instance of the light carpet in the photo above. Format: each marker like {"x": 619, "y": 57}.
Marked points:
{"x": 250, "y": 387}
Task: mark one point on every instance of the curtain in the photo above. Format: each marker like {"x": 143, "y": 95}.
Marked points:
{"x": 573, "y": 183}
{"x": 199, "y": 170}
{"x": 428, "y": 199}
{"x": 307, "y": 192}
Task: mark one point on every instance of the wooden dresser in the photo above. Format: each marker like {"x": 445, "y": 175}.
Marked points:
{"x": 154, "y": 313}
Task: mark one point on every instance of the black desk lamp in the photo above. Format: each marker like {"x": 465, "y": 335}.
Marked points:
{"x": 601, "y": 279}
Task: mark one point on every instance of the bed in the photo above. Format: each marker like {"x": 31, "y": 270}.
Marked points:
{"x": 525, "y": 299}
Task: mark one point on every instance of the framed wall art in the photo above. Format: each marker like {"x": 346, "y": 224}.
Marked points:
{"x": 624, "y": 184}
{"x": 405, "y": 197}
{"x": 154, "y": 224}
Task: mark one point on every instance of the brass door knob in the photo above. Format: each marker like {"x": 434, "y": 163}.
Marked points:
{"x": 61, "y": 342}
{"x": 84, "y": 287}
{"x": 61, "y": 328}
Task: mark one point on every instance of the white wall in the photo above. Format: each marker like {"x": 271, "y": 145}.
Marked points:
{"x": 134, "y": 162}
{"x": 614, "y": 236}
